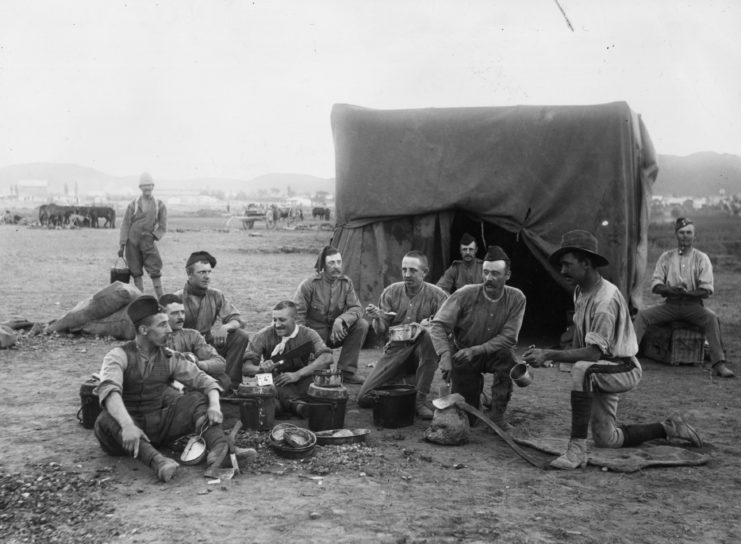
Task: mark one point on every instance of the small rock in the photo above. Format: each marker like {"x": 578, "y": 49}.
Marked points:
{"x": 314, "y": 515}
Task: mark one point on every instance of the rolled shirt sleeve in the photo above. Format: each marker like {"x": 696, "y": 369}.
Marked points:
{"x": 112, "y": 374}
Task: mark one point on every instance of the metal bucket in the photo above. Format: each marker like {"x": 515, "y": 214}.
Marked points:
{"x": 120, "y": 273}
{"x": 327, "y": 414}
{"x": 394, "y": 406}
{"x": 257, "y": 407}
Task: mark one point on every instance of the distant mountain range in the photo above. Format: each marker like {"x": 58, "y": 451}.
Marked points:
{"x": 92, "y": 181}
{"x": 699, "y": 174}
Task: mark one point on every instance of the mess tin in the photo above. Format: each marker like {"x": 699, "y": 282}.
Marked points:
{"x": 520, "y": 374}
{"x": 403, "y": 333}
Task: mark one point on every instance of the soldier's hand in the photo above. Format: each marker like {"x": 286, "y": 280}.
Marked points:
{"x": 464, "y": 355}
{"x": 121, "y": 251}
{"x": 267, "y": 366}
{"x": 214, "y": 415}
{"x": 374, "y": 311}
{"x": 219, "y": 334}
{"x": 536, "y": 357}
{"x": 339, "y": 331}
{"x": 287, "y": 377}
{"x": 130, "y": 437}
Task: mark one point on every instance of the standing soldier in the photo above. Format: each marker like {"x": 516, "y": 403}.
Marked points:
{"x": 144, "y": 222}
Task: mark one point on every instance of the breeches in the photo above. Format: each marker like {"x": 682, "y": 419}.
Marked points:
{"x": 162, "y": 426}
{"x": 143, "y": 255}
{"x": 696, "y": 314}
{"x": 605, "y": 380}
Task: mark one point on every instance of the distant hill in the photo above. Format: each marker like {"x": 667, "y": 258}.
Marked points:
{"x": 699, "y": 174}
{"x": 90, "y": 180}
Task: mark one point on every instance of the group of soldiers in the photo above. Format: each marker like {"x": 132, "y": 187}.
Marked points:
{"x": 467, "y": 325}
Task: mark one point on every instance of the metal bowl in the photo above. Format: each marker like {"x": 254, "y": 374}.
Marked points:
{"x": 330, "y": 438}
{"x": 194, "y": 452}
{"x": 281, "y": 441}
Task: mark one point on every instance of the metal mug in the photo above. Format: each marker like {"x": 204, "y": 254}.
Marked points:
{"x": 520, "y": 374}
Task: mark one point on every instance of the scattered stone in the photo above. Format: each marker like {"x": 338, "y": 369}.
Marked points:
{"x": 314, "y": 515}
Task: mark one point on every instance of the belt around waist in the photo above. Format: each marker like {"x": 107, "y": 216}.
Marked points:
{"x": 624, "y": 360}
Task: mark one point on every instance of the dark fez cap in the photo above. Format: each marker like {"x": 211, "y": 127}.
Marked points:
{"x": 201, "y": 256}
{"x": 142, "y": 308}
{"x": 467, "y": 239}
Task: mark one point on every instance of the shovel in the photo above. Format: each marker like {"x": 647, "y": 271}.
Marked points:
{"x": 456, "y": 399}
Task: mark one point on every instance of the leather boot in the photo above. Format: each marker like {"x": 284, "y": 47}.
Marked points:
{"x": 497, "y": 416}
{"x": 218, "y": 449}
{"x": 163, "y": 466}
{"x": 575, "y": 456}
{"x": 423, "y": 411}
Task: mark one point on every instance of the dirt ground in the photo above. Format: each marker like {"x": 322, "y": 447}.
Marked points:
{"x": 57, "y": 484}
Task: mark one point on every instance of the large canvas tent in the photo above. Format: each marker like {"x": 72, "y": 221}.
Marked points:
{"x": 516, "y": 176}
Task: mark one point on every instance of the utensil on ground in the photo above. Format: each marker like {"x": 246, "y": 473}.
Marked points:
{"x": 456, "y": 399}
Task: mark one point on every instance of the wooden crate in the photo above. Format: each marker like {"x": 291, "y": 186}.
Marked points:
{"x": 673, "y": 343}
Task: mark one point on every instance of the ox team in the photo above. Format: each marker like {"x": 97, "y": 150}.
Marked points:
{"x": 468, "y": 325}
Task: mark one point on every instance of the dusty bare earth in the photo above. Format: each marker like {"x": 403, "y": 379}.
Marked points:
{"x": 57, "y": 485}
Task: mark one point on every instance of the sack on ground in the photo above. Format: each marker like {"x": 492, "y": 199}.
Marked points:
{"x": 105, "y": 302}
{"x": 7, "y": 336}
{"x": 118, "y": 325}
{"x": 449, "y": 427}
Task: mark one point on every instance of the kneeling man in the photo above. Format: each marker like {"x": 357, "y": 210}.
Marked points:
{"x": 141, "y": 410}
{"x": 476, "y": 331}
{"x": 291, "y": 376}
{"x": 409, "y": 302}
{"x": 604, "y": 356}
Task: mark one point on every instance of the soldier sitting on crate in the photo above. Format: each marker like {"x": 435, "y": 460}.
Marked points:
{"x": 141, "y": 410}
{"x": 293, "y": 376}
{"x": 684, "y": 277}
{"x": 191, "y": 343}
{"x": 209, "y": 312}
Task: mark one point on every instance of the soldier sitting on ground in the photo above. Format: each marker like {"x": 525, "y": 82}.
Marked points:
{"x": 141, "y": 410}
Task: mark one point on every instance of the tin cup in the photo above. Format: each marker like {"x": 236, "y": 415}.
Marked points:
{"x": 520, "y": 374}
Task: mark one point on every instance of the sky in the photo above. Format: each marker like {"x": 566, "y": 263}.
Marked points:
{"x": 225, "y": 88}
